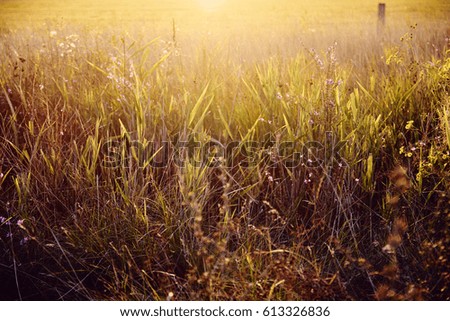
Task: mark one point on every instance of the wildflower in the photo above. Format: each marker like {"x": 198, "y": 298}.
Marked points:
{"x": 320, "y": 63}
{"x": 9, "y": 90}
{"x": 9, "y": 234}
{"x": 41, "y": 87}
{"x": 53, "y": 34}
{"x": 357, "y": 180}
{"x": 409, "y": 124}
{"x": 316, "y": 57}
{"x": 24, "y": 240}
{"x": 73, "y": 37}
{"x": 279, "y": 96}
{"x": 2, "y": 219}
{"x": 20, "y": 222}
{"x": 330, "y": 82}
{"x": 1, "y": 175}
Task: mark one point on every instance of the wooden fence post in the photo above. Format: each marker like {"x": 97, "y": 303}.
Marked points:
{"x": 381, "y": 17}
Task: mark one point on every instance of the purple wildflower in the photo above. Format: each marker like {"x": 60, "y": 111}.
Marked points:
{"x": 24, "y": 240}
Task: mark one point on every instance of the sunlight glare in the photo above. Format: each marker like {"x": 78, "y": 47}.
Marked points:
{"x": 210, "y": 5}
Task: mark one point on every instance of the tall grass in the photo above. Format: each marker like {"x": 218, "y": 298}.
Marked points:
{"x": 229, "y": 165}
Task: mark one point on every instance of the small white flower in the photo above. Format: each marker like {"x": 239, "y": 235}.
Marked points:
{"x": 53, "y": 33}
{"x": 41, "y": 87}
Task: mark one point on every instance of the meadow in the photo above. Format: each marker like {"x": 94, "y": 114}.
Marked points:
{"x": 228, "y": 150}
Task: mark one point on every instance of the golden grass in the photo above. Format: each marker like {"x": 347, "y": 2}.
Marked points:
{"x": 285, "y": 151}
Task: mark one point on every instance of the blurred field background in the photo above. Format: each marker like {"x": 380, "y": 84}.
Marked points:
{"x": 82, "y": 82}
